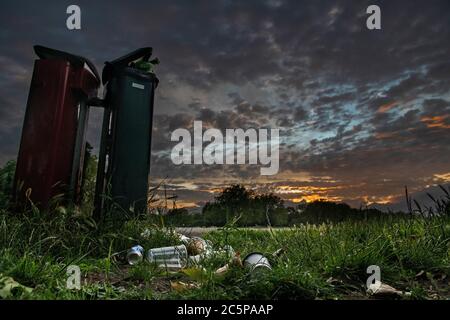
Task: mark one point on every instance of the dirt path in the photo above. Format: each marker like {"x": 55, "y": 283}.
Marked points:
{"x": 198, "y": 231}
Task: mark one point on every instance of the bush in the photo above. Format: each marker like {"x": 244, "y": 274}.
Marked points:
{"x": 6, "y": 182}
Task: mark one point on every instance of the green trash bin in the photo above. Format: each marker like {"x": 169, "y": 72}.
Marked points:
{"x": 124, "y": 159}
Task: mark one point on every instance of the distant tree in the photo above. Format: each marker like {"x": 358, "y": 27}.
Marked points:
{"x": 213, "y": 215}
{"x": 6, "y": 182}
{"x": 302, "y": 205}
{"x": 270, "y": 201}
{"x": 234, "y": 196}
{"x": 177, "y": 212}
{"x": 326, "y": 210}
{"x": 234, "y": 199}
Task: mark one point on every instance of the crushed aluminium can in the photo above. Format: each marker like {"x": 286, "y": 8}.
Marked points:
{"x": 135, "y": 255}
{"x": 257, "y": 260}
{"x": 171, "y": 258}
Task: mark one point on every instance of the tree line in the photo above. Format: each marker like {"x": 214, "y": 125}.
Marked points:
{"x": 243, "y": 207}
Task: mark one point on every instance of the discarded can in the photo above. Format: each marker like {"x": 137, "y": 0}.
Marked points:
{"x": 169, "y": 257}
{"x": 135, "y": 255}
{"x": 256, "y": 260}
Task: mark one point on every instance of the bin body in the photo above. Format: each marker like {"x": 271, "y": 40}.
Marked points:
{"x": 131, "y": 95}
{"x": 46, "y": 151}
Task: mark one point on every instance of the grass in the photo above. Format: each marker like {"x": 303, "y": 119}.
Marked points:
{"x": 326, "y": 261}
{"x": 319, "y": 261}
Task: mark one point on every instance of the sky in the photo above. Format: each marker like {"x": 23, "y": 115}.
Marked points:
{"x": 362, "y": 113}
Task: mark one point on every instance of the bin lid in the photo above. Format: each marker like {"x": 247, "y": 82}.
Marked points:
{"x": 77, "y": 61}
{"x": 123, "y": 62}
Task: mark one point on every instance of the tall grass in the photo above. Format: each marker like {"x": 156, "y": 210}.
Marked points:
{"x": 320, "y": 261}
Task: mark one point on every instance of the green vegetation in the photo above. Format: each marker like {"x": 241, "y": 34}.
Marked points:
{"x": 321, "y": 260}
{"x": 248, "y": 209}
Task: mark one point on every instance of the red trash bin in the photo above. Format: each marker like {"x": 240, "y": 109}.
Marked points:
{"x": 61, "y": 83}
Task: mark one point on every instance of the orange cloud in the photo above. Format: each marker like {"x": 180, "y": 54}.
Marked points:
{"x": 298, "y": 194}
{"x": 187, "y": 204}
{"x": 386, "y": 107}
{"x": 304, "y": 189}
{"x": 443, "y": 176}
{"x": 384, "y": 135}
{"x": 380, "y": 200}
{"x": 436, "y": 122}
{"x": 316, "y": 197}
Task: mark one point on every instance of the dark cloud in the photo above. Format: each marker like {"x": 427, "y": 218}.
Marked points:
{"x": 367, "y": 109}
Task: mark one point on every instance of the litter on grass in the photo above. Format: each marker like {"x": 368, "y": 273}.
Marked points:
{"x": 379, "y": 289}
{"x": 257, "y": 261}
{"x": 135, "y": 255}
{"x": 171, "y": 258}
{"x": 193, "y": 251}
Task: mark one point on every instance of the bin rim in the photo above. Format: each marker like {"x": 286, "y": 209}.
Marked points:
{"x": 123, "y": 62}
